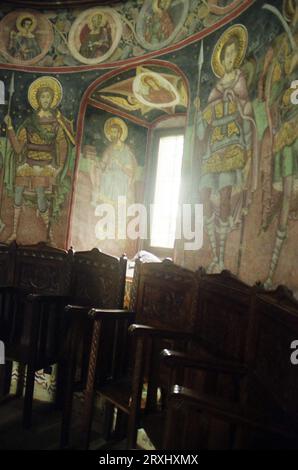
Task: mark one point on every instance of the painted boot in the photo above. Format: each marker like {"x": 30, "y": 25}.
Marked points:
{"x": 280, "y": 238}
{"x": 224, "y": 229}
{"x": 46, "y": 220}
{"x": 2, "y": 226}
{"x": 16, "y": 219}
{"x": 210, "y": 229}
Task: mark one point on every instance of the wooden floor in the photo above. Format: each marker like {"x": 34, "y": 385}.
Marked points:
{"x": 44, "y": 433}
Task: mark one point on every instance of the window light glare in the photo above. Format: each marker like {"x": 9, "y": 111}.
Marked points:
{"x": 167, "y": 186}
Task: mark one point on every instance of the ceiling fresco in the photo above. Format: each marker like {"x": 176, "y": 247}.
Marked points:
{"x": 101, "y": 36}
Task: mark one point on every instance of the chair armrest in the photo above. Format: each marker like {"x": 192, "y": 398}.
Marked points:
{"x": 219, "y": 408}
{"x": 144, "y": 330}
{"x": 8, "y": 288}
{"x": 175, "y": 359}
{"x": 111, "y": 313}
{"x": 78, "y": 308}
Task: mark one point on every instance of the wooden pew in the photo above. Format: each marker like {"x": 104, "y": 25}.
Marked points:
{"x": 265, "y": 414}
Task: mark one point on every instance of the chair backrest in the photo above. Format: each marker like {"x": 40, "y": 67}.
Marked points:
{"x": 98, "y": 279}
{"x": 223, "y": 315}
{"x": 275, "y": 378}
{"x": 166, "y": 296}
{"x": 42, "y": 269}
{"x": 7, "y": 264}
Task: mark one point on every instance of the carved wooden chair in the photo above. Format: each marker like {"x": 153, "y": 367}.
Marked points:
{"x": 165, "y": 306}
{"x": 265, "y": 415}
{"x": 98, "y": 281}
{"x": 7, "y": 265}
{"x": 34, "y": 328}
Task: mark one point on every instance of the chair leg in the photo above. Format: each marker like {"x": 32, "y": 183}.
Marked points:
{"x": 136, "y": 395}
{"x": 60, "y": 387}
{"x": 89, "y": 392}
{"x": 108, "y": 420}
{"x": 5, "y": 378}
{"x": 21, "y": 380}
{"x": 67, "y": 409}
{"x": 121, "y": 426}
{"x": 27, "y": 412}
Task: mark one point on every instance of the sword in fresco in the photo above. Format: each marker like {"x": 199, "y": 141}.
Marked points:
{"x": 11, "y": 93}
{"x": 286, "y": 27}
{"x": 200, "y": 66}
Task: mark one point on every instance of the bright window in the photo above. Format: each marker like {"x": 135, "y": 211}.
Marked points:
{"x": 166, "y": 195}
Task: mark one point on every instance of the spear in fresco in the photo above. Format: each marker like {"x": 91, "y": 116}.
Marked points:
{"x": 200, "y": 66}
{"x": 11, "y": 93}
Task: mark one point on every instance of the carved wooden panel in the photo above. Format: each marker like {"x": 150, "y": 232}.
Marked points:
{"x": 277, "y": 327}
{"x": 43, "y": 269}
{"x": 98, "y": 279}
{"x": 166, "y": 296}
{"x": 223, "y": 315}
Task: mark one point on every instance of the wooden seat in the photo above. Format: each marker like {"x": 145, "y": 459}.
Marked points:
{"x": 165, "y": 301}
{"x": 98, "y": 280}
{"x": 31, "y": 327}
{"x": 265, "y": 415}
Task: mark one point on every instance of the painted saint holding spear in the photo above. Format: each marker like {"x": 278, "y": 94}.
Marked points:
{"x": 280, "y": 138}
{"x": 226, "y": 144}
{"x": 37, "y": 168}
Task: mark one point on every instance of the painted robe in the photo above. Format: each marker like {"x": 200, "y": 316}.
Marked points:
{"x": 23, "y": 47}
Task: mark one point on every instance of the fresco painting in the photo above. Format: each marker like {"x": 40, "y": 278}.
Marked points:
{"x": 235, "y": 92}
{"x": 94, "y": 35}
{"x": 25, "y": 37}
{"x": 148, "y": 92}
{"x": 36, "y": 168}
{"x": 72, "y": 37}
{"x": 111, "y": 167}
{"x": 280, "y": 138}
{"x": 226, "y": 136}
{"x": 160, "y": 21}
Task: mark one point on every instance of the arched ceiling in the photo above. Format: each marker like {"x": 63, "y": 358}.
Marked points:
{"x": 61, "y": 4}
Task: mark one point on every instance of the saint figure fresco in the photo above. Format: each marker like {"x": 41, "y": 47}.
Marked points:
{"x": 36, "y": 170}
{"x": 25, "y": 37}
{"x": 96, "y": 37}
{"x": 95, "y": 34}
{"x": 160, "y": 21}
{"x": 226, "y": 133}
{"x": 159, "y": 25}
{"x": 118, "y": 164}
{"x": 280, "y": 139}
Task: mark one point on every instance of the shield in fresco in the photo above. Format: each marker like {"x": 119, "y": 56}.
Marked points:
{"x": 160, "y": 21}
{"x": 25, "y": 37}
{"x": 95, "y": 35}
